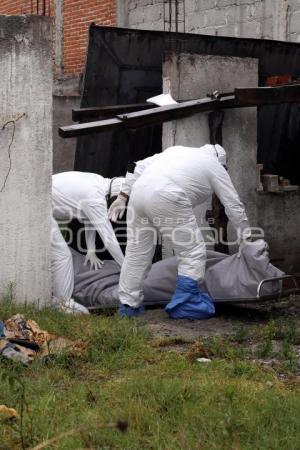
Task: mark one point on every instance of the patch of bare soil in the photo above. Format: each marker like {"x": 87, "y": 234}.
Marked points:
{"x": 228, "y": 319}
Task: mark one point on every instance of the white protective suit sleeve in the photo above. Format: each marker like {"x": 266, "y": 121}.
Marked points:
{"x": 227, "y": 194}
{"x": 96, "y": 212}
{"x": 131, "y": 178}
{"x": 90, "y": 236}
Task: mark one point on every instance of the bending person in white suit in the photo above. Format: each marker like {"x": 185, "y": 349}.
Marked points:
{"x": 163, "y": 191}
{"x": 82, "y": 196}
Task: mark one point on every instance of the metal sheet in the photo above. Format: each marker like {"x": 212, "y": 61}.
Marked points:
{"x": 125, "y": 66}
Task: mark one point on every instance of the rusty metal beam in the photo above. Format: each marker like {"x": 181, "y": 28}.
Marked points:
{"x": 242, "y": 98}
{"x": 144, "y": 118}
{"x": 268, "y": 95}
{"x": 90, "y": 127}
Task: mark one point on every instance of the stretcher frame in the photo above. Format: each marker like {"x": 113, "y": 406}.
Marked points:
{"x": 276, "y": 296}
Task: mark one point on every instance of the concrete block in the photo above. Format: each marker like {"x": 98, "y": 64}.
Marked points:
{"x": 152, "y": 14}
{"x": 214, "y": 17}
{"x": 142, "y": 3}
{"x": 270, "y": 7}
{"x": 294, "y": 5}
{"x": 294, "y": 37}
{"x": 228, "y": 30}
{"x": 26, "y": 156}
{"x": 194, "y": 22}
{"x": 270, "y": 183}
{"x": 190, "y": 6}
{"x": 136, "y": 17}
{"x": 203, "y": 5}
{"x": 294, "y": 24}
{"x": 210, "y": 31}
{"x": 132, "y": 4}
{"x": 267, "y": 28}
{"x": 222, "y": 3}
{"x": 250, "y": 29}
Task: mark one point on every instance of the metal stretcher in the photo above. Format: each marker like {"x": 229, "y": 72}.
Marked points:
{"x": 283, "y": 292}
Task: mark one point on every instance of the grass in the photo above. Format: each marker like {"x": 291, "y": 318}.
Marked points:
{"x": 169, "y": 400}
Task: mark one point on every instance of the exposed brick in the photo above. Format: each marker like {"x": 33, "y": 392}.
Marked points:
{"x": 77, "y": 14}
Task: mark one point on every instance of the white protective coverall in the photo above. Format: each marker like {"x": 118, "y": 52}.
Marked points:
{"x": 163, "y": 191}
{"x": 82, "y": 196}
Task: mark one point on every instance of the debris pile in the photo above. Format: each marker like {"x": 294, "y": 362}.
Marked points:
{"x": 22, "y": 340}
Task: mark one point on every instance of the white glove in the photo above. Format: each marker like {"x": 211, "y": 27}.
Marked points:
{"x": 244, "y": 236}
{"x": 242, "y": 243}
{"x": 117, "y": 208}
{"x": 95, "y": 262}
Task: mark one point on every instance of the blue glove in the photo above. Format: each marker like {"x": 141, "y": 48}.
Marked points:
{"x": 189, "y": 301}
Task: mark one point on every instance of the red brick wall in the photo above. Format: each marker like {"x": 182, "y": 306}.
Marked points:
{"x": 77, "y": 16}
{"x": 16, "y": 7}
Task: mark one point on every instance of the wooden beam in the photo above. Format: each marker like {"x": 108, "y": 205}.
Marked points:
{"x": 79, "y": 114}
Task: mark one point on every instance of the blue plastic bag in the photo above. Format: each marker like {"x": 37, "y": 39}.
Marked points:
{"x": 189, "y": 301}
{"x": 1, "y": 329}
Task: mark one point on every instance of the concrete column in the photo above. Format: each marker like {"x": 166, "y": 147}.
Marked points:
{"x": 59, "y": 28}
{"x": 25, "y": 157}
{"x": 193, "y": 76}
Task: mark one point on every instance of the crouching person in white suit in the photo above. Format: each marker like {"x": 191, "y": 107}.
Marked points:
{"x": 163, "y": 191}
{"x": 82, "y": 196}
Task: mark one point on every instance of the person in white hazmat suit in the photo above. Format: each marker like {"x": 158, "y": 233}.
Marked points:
{"x": 82, "y": 196}
{"x": 163, "y": 191}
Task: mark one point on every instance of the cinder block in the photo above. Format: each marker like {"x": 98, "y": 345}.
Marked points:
{"x": 191, "y": 6}
{"x": 152, "y": 14}
{"x": 236, "y": 14}
{"x": 294, "y": 6}
{"x": 294, "y": 37}
{"x": 250, "y": 29}
{"x": 294, "y": 25}
{"x": 142, "y": 3}
{"x": 270, "y": 183}
{"x": 267, "y": 28}
{"x": 136, "y": 17}
{"x": 132, "y": 4}
{"x": 214, "y": 18}
{"x": 222, "y": 3}
{"x": 194, "y": 22}
{"x": 203, "y": 5}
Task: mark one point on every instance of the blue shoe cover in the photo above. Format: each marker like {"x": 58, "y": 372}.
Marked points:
{"x": 129, "y": 311}
{"x": 189, "y": 301}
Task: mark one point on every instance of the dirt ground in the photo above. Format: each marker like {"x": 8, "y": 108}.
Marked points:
{"x": 227, "y": 321}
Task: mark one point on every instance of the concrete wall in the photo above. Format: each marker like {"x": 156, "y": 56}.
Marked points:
{"x": 269, "y": 19}
{"x": 25, "y": 156}
{"x": 192, "y": 76}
